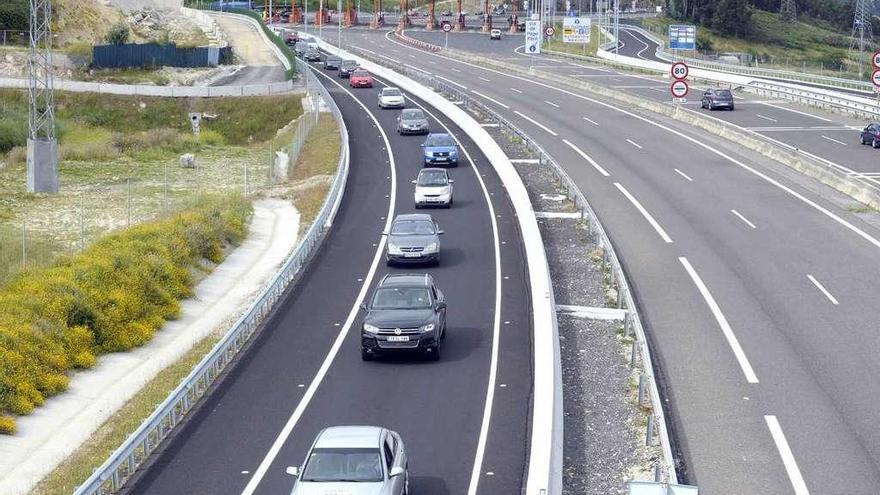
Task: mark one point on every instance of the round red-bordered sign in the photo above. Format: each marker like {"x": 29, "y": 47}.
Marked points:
{"x": 875, "y": 77}
{"x": 679, "y": 89}
{"x": 548, "y": 31}
{"x": 875, "y": 59}
{"x": 446, "y": 27}
{"x": 679, "y": 71}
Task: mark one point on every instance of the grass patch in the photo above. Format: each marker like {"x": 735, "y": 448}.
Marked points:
{"x": 860, "y": 208}
{"x": 588, "y": 49}
{"x": 320, "y": 154}
{"x": 38, "y": 251}
{"x": 111, "y": 297}
{"x": 83, "y": 461}
{"x": 124, "y": 76}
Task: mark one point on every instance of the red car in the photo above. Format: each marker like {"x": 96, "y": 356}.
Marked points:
{"x": 360, "y": 79}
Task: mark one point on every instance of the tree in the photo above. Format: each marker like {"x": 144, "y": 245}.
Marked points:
{"x": 118, "y": 34}
{"x": 14, "y": 15}
{"x": 732, "y": 17}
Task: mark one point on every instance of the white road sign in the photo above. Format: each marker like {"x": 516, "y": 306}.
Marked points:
{"x": 576, "y": 29}
{"x": 679, "y": 89}
{"x": 533, "y": 37}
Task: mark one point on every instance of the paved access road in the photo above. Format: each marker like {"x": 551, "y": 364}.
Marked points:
{"x": 757, "y": 290}
{"x": 304, "y": 371}
{"x": 248, "y": 45}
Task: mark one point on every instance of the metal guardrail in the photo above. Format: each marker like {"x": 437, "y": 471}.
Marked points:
{"x": 806, "y": 96}
{"x": 122, "y": 464}
{"x": 626, "y": 300}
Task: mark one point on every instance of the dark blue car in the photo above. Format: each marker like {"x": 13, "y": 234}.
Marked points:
{"x": 871, "y": 135}
{"x": 440, "y": 149}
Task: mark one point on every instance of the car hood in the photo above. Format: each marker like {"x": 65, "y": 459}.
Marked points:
{"x": 399, "y": 318}
{"x": 432, "y": 189}
{"x": 339, "y": 489}
{"x": 440, "y": 149}
{"x": 412, "y": 240}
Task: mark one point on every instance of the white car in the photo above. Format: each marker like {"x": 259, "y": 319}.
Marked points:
{"x": 353, "y": 460}
{"x": 391, "y": 98}
{"x": 433, "y": 188}
{"x": 495, "y": 34}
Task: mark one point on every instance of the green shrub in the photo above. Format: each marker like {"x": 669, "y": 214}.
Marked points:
{"x": 13, "y": 132}
{"x": 7, "y": 425}
{"x": 118, "y": 34}
{"x": 111, "y": 297}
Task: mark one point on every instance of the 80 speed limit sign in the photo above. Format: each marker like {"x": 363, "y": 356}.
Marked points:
{"x": 679, "y": 71}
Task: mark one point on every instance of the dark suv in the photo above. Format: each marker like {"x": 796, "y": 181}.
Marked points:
{"x": 405, "y": 313}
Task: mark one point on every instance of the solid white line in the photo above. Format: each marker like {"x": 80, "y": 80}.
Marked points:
{"x": 637, "y": 145}
{"x": 282, "y": 437}
{"x": 453, "y": 69}
{"x": 833, "y": 140}
{"x": 765, "y": 118}
{"x": 542, "y": 126}
{"x": 679, "y": 172}
{"x": 823, "y": 289}
{"x": 483, "y": 79}
{"x": 722, "y": 322}
{"x": 450, "y": 81}
{"x": 744, "y": 219}
{"x": 496, "y": 324}
{"x": 644, "y": 213}
{"x": 836, "y": 218}
{"x": 591, "y": 121}
{"x": 516, "y": 90}
{"x": 795, "y": 111}
{"x": 791, "y": 467}
{"x": 493, "y": 100}
{"x": 551, "y": 104}
{"x": 587, "y": 158}
{"x": 365, "y": 50}
{"x": 557, "y": 214}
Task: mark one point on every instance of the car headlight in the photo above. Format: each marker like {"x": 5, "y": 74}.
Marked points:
{"x": 393, "y": 249}
{"x": 428, "y": 328}
{"x": 431, "y": 247}
{"x": 370, "y": 328}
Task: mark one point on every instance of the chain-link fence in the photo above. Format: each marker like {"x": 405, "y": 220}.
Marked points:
{"x": 13, "y": 38}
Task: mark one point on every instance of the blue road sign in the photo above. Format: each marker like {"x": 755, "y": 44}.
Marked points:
{"x": 682, "y": 37}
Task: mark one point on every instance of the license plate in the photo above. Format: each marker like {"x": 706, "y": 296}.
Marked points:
{"x": 411, "y": 255}
{"x": 398, "y": 338}
{"x": 439, "y": 159}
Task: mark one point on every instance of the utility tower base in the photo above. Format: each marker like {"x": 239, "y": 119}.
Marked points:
{"x": 42, "y": 165}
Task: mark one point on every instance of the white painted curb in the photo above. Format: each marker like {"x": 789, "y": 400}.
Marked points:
{"x": 545, "y": 445}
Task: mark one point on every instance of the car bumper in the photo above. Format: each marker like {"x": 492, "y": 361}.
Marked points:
{"x": 362, "y": 84}
{"x": 410, "y": 130}
{"x": 720, "y": 105}
{"x": 421, "y": 258}
{"x": 379, "y": 344}
{"x": 429, "y": 161}
{"x": 433, "y": 200}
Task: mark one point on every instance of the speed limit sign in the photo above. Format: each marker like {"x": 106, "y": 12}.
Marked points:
{"x": 548, "y": 31}
{"x": 679, "y": 89}
{"x": 876, "y": 60}
{"x": 679, "y": 71}
{"x": 446, "y": 26}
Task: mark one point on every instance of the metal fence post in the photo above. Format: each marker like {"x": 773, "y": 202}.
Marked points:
{"x": 23, "y": 243}
{"x": 129, "y": 201}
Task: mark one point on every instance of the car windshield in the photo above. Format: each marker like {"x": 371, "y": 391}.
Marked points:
{"x": 724, "y": 94}
{"x": 415, "y": 114}
{"x": 412, "y": 227}
{"x": 349, "y": 63}
{"x": 390, "y": 92}
{"x": 333, "y": 59}
{"x": 339, "y": 465}
{"x": 439, "y": 140}
{"x": 360, "y": 73}
{"x": 401, "y": 298}
{"x": 432, "y": 178}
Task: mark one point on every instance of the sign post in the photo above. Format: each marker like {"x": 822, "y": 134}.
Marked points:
{"x": 533, "y": 37}
{"x": 446, "y": 28}
{"x": 679, "y": 88}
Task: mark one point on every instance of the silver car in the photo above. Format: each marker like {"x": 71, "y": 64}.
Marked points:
{"x": 391, "y": 98}
{"x": 354, "y": 460}
{"x": 433, "y": 188}
{"x": 412, "y": 121}
{"x": 413, "y": 238}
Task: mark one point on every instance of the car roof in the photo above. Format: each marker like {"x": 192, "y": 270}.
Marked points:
{"x": 406, "y": 280}
{"x": 356, "y": 437}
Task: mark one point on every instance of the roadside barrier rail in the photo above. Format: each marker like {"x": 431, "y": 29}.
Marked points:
{"x": 164, "y": 91}
{"x": 123, "y": 463}
{"x": 626, "y": 300}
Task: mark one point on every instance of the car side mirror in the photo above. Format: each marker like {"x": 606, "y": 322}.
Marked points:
{"x": 441, "y": 305}
{"x": 396, "y": 471}
{"x": 414, "y": 181}
{"x": 422, "y": 145}
{"x": 452, "y": 181}
{"x": 440, "y": 232}
{"x": 364, "y": 306}
{"x": 293, "y": 471}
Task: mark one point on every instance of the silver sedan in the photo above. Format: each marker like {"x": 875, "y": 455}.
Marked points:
{"x": 355, "y": 460}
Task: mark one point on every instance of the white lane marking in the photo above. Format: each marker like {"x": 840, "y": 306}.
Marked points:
{"x": 417, "y": 68}
{"x": 679, "y": 172}
{"x": 637, "y": 145}
{"x": 744, "y": 219}
{"x": 587, "y": 158}
{"x": 542, "y": 126}
{"x": 859, "y": 232}
{"x": 483, "y": 79}
{"x": 450, "y": 81}
{"x": 554, "y": 105}
{"x": 516, "y": 90}
{"x": 557, "y": 214}
{"x": 722, "y": 322}
{"x": 490, "y": 124}
{"x": 352, "y": 315}
{"x": 389, "y": 58}
{"x": 644, "y": 213}
{"x": 765, "y": 118}
{"x": 413, "y": 56}
{"x": 365, "y": 50}
{"x": 525, "y": 160}
{"x": 591, "y": 121}
{"x": 796, "y": 111}
{"x": 833, "y": 140}
{"x": 453, "y": 69}
{"x": 791, "y": 467}
{"x": 823, "y": 289}
{"x": 496, "y": 324}
{"x": 493, "y": 100}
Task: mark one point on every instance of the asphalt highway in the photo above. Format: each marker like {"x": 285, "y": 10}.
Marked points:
{"x": 304, "y": 372}
{"x": 756, "y": 290}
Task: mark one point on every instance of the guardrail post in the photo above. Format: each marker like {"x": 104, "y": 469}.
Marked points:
{"x": 627, "y": 323}
{"x": 642, "y": 380}
{"x": 634, "y": 354}
{"x": 649, "y": 431}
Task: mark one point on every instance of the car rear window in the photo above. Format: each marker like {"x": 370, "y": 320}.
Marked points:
{"x": 439, "y": 140}
{"x": 401, "y": 298}
{"x": 724, "y": 93}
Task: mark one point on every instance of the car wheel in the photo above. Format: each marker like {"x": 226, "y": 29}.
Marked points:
{"x": 875, "y": 144}
{"x": 366, "y": 356}
{"x": 388, "y": 262}
{"x": 862, "y": 140}
{"x": 435, "y": 356}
